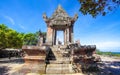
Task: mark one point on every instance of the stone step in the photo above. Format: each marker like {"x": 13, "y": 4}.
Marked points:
{"x": 59, "y": 62}
{"x": 51, "y": 58}
{"x": 52, "y": 55}
{"x": 27, "y": 68}
{"x": 55, "y": 56}
{"x": 59, "y": 58}
{"x": 56, "y": 74}
{"x": 59, "y": 69}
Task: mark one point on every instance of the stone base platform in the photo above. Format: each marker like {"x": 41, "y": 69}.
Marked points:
{"x": 35, "y": 59}
{"x": 30, "y": 68}
{"x": 35, "y": 54}
{"x": 59, "y": 69}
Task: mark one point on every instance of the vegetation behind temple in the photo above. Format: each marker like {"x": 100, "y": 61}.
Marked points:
{"x": 10, "y": 38}
{"x": 107, "y": 53}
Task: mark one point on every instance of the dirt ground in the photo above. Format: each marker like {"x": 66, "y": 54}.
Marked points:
{"x": 108, "y": 66}
{"x": 6, "y": 64}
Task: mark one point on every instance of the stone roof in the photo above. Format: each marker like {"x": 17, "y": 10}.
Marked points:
{"x": 59, "y": 13}
{"x": 60, "y": 17}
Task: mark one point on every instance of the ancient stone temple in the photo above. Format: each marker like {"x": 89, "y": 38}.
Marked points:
{"x": 60, "y": 20}
{"x": 49, "y": 58}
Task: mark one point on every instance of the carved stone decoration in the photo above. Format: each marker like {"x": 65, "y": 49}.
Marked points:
{"x": 60, "y": 20}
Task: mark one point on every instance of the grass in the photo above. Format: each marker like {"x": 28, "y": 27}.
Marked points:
{"x": 107, "y": 53}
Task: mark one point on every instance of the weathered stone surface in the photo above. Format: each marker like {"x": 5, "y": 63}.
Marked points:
{"x": 59, "y": 69}
{"x": 82, "y": 56}
{"x": 60, "y": 20}
{"x": 34, "y": 54}
{"x": 49, "y": 35}
{"x": 56, "y": 57}
{"x": 30, "y": 68}
{"x": 60, "y": 59}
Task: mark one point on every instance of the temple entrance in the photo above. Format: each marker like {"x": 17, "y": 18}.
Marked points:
{"x": 53, "y": 59}
{"x": 60, "y": 20}
{"x": 60, "y": 37}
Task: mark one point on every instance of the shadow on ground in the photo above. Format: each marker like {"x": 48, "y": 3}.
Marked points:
{"x": 4, "y": 70}
{"x": 106, "y": 67}
{"x": 12, "y": 60}
{"x": 6, "y": 62}
{"x": 110, "y": 68}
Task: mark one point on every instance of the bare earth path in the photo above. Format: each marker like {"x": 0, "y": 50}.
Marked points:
{"x": 108, "y": 66}
{"x": 6, "y": 64}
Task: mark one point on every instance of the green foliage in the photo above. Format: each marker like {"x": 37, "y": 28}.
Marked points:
{"x": 106, "y": 53}
{"x": 118, "y": 55}
{"x": 2, "y": 39}
{"x": 98, "y": 52}
{"x": 30, "y": 39}
{"x": 3, "y": 27}
{"x": 96, "y": 7}
{"x": 10, "y": 38}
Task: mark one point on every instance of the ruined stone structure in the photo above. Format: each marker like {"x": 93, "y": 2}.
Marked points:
{"x": 60, "y": 21}
{"x": 65, "y": 59}
{"x": 40, "y": 39}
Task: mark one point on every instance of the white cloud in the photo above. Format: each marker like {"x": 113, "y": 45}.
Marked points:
{"x": 108, "y": 44}
{"x": 22, "y": 27}
{"x": 10, "y": 19}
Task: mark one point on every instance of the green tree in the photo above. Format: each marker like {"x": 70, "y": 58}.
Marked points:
{"x": 96, "y": 7}
{"x": 3, "y": 30}
{"x": 14, "y": 40}
{"x": 10, "y": 38}
{"x": 3, "y": 27}
{"x": 2, "y": 39}
{"x": 30, "y": 39}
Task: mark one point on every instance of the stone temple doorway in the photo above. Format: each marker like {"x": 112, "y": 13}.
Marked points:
{"x": 60, "y": 37}
{"x": 60, "y": 20}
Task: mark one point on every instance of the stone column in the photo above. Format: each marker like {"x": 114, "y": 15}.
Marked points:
{"x": 67, "y": 35}
{"x": 64, "y": 37}
{"x": 49, "y": 35}
{"x": 72, "y": 34}
{"x": 53, "y": 38}
{"x": 41, "y": 41}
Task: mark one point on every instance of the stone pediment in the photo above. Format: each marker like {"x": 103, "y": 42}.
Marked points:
{"x": 60, "y": 14}
{"x": 60, "y": 17}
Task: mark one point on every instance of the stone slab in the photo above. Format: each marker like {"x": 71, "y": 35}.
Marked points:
{"x": 30, "y": 69}
{"x": 59, "y": 69}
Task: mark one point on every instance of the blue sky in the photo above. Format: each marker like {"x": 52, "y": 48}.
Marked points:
{"x": 26, "y": 16}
